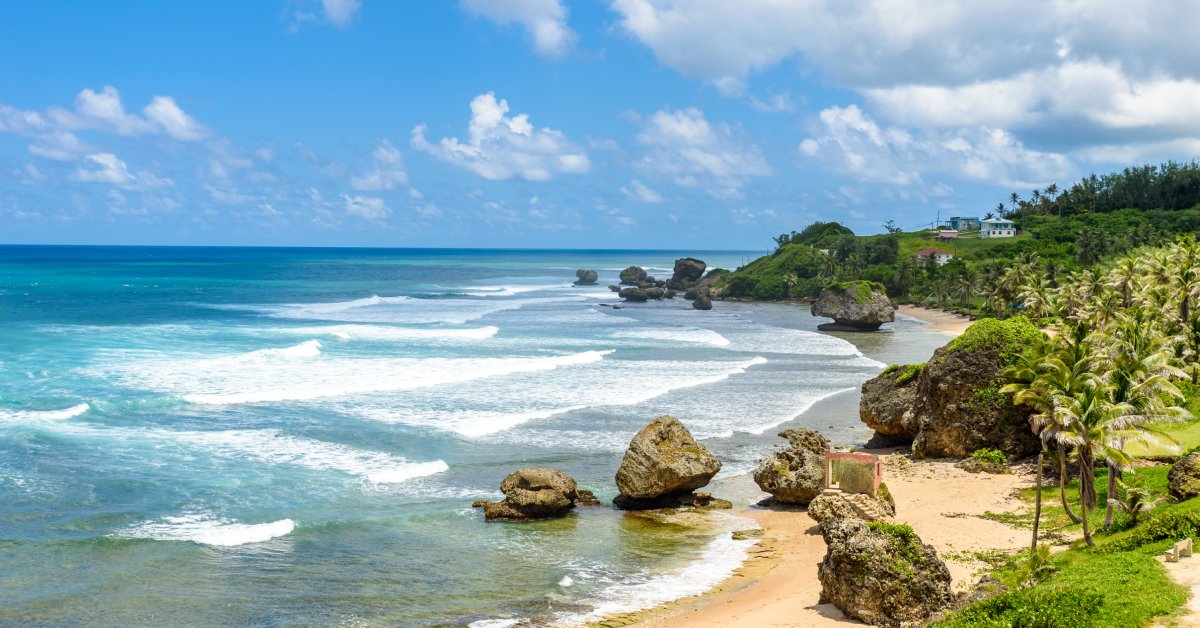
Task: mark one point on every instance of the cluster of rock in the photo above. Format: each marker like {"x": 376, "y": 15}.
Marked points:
{"x": 586, "y": 277}
{"x": 882, "y": 574}
{"x": 854, "y": 306}
{"x": 688, "y": 277}
{"x": 535, "y": 493}
{"x": 951, "y": 407}
{"x": 795, "y": 475}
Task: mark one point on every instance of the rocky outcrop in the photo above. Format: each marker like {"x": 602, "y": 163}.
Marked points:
{"x": 535, "y": 493}
{"x": 1183, "y": 481}
{"x": 840, "y": 505}
{"x": 636, "y": 295}
{"x": 615, "y": 288}
{"x": 886, "y": 405}
{"x": 702, "y": 302}
{"x": 854, "y": 306}
{"x": 585, "y": 277}
{"x": 881, "y": 574}
{"x": 797, "y": 474}
{"x": 633, "y": 275}
{"x": 663, "y": 462}
{"x": 654, "y": 292}
{"x": 959, "y": 408}
{"x": 687, "y": 272}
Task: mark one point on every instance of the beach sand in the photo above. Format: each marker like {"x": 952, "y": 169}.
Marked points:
{"x": 778, "y": 586}
{"x": 938, "y": 320}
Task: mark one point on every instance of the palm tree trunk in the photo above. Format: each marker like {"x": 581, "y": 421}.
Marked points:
{"x": 1114, "y": 474}
{"x": 1087, "y": 497}
{"x": 1037, "y": 507}
{"x": 1062, "y": 483}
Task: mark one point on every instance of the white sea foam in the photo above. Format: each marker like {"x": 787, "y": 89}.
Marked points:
{"x": 274, "y": 448}
{"x": 209, "y": 530}
{"x": 718, "y": 561}
{"x": 465, "y": 422}
{"x": 233, "y": 380}
{"x": 766, "y": 339}
{"x": 697, "y": 335}
{"x": 509, "y": 291}
{"x": 495, "y": 623}
{"x": 406, "y": 310}
{"x": 795, "y": 411}
{"x": 389, "y": 333}
{"x": 342, "y": 306}
{"x": 44, "y": 415}
{"x": 306, "y": 349}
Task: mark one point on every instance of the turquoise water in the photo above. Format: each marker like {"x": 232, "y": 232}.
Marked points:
{"x": 265, "y": 436}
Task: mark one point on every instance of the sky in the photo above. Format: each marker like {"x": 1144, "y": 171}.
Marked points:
{"x": 686, "y": 124}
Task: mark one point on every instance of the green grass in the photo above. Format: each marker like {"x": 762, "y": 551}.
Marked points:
{"x": 968, "y": 248}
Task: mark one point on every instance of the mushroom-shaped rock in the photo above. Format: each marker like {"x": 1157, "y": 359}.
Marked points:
{"x": 585, "y": 277}
{"x": 797, "y": 474}
{"x": 663, "y": 461}
{"x": 882, "y": 574}
{"x": 533, "y": 493}
{"x": 854, "y": 306}
{"x": 688, "y": 271}
{"x": 633, "y": 275}
{"x": 1183, "y": 481}
{"x": 633, "y": 294}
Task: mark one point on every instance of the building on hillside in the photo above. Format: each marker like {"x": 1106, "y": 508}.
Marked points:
{"x": 947, "y": 234}
{"x": 960, "y": 223}
{"x": 997, "y": 228}
{"x": 935, "y": 256}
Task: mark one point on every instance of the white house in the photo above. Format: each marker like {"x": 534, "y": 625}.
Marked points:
{"x": 937, "y": 256}
{"x": 997, "y": 228}
{"x": 947, "y": 234}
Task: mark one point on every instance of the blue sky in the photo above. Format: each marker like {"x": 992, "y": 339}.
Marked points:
{"x": 544, "y": 123}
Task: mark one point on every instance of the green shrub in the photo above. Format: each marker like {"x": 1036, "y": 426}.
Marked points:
{"x": 989, "y": 455}
{"x": 1074, "y": 607}
{"x": 891, "y": 369}
{"x": 1166, "y": 524}
{"x": 911, "y": 371}
{"x": 770, "y": 288}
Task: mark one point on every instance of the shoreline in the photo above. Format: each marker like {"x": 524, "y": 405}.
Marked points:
{"x": 777, "y": 584}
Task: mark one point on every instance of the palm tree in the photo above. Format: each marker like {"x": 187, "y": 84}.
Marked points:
{"x": 1137, "y": 501}
{"x": 1083, "y": 415}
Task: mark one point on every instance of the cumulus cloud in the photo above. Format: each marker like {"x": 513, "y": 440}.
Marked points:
{"x": 684, "y": 146}
{"x": 366, "y": 207}
{"x": 501, "y": 147}
{"x": 850, "y": 141}
{"x": 108, "y": 168}
{"x": 544, "y": 20}
{"x": 386, "y": 171}
{"x": 103, "y": 111}
{"x": 639, "y": 191}
{"x": 163, "y": 112}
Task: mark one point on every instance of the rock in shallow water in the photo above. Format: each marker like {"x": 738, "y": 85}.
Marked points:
{"x": 663, "y": 460}
{"x": 854, "y": 306}
{"x": 535, "y": 493}
{"x": 585, "y": 277}
{"x": 797, "y": 474}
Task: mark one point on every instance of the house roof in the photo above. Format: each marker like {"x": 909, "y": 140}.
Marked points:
{"x": 932, "y": 252}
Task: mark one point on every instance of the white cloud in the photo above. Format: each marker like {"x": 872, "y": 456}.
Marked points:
{"x": 368, "y": 207}
{"x": 170, "y": 118}
{"x": 502, "y": 147}
{"x": 639, "y": 191}
{"x": 386, "y": 172}
{"x": 684, "y": 146}
{"x": 775, "y": 103}
{"x": 108, "y": 168}
{"x": 544, "y": 20}
{"x": 101, "y": 110}
{"x": 340, "y": 12}
{"x": 850, "y": 141}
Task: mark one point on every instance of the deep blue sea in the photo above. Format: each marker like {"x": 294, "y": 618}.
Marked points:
{"x": 200, "y": 436}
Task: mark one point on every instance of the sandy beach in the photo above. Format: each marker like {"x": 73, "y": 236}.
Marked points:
{"x": 778, "y": 585}
{"x": 937, "y": 320}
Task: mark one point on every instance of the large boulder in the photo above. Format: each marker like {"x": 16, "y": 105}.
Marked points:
{"x": 702, "y": 302}
{"x": 633, "y": 294}
{"x": 854, "y": 306}
{"x": 534, "y": 493}
{"x": 840, "y": 505}
{"x": 663, "y": 461}
{"x": 886, "y": 405}
{"x": 655, "y": 292}
{"x": 882, "y": 574}
{"x": 797, "y": 474}
{"x": 1183, "y": 481}
{"x": 687, "y": 272}
{"x": 585, "y": 277}
{"x": 633, "y": 275}
{"x": 959, "y": 408}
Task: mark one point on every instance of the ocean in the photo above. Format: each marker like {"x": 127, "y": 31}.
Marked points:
{"x": 199, "y": 436}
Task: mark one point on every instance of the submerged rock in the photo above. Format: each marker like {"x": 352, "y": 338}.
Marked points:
{"x": 633, "y": 275}
{"x": 702, "y": 302}
{"x": 535, "y": 493}
{"x": 797, "y": 474}
{"x": 636, "y": 295}
{"x": 1183, "y": 481}
{"x": 881, "y": 574}
{"x": 663, "y": 461}
{"x": 854, "y": 306}
{"x": 615, "y": 288}
{"x": 585, "y": 277}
